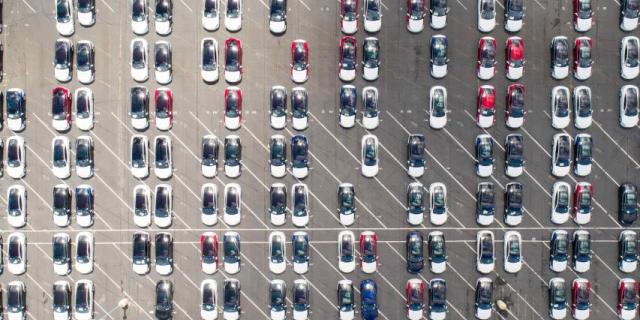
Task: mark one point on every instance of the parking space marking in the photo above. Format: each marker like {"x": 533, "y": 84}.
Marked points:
{"x": 186, "y": 5}
{"x": 107, "y": 5}
{"x": 462, "y": 5}
{"x": 29, "y": 6}
{"x": 616, "y": 143}
{"x": 540, "y": 4}
{"x": 305, "y": 5}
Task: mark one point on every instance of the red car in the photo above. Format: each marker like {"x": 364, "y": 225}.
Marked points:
{"x": 627, "y": 298}
{"x": 414, "y": 295}
{"x": 164, "y": 108}
{"x": 209, "y": 252}
{"x": 514, "y": 63}
{"x": 232, "y": 108}
{"x": 232, "y": 60}
{"x": 368, "y": 251}
{"x": 486, "y": 58}
{"x": 61, "y": 108}
{"x": 348, "y": 58}
{"x": 582, "y": 15}
{"x": 582, "y": 58}
{"x": 349, "y": 16}
{"x": 486, "y": 106}
{"x": 514, "y": 116}
{"x": 416, "y": 11}
{"x": 582, "y": 199}
{"x": 299, "y": 61}
{"x": 580, "y": 298}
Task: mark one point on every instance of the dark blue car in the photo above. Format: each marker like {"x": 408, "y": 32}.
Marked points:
{"x": 369, "y": 299}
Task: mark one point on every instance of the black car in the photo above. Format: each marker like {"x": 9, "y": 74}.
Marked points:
{"x": 278, "y": 11}
{"x": 61, "y": 303}
{"x": 485, "y": 203}
{"x": 278, "y": 152}
{"x": 16, "y": 298}
{"x": 514, "y": 10}
{"x": 627, "y": 203}
{"x": 231, "y": 297}
{"x": 346, "y": 296}
{"x": 559, "y": 53}
{"x": 557, "y": 296}
{"x": 139, "y": 106}
{"x": 346, "y": 203}
{"x": 84, "y": 202}
{"x": 299, "y": 107}
{"x": 62, "y": 202}
{"x": 484, "y": 296}
{"x": 629, "y": 11}
{"x": 232, "y": 151}
{"x": 63, "y": 55}
{"x": 141, "y": 247}
{"x": 164, "y": 252}
{"x": 514, "y": 155}
{"x": 231, "y": 249}
{"x": 61, "y": 256}
{"x": 209, "y": 155}
{"x": 278, "y": 203}
{"x": 163, "y": 56}
{"x": 209, "y": 203}
{"x": 513, "y": 207}
{"x": 299, "y": 152}
{"x": 164, "y": 10}
{"x": 348, "y": 100}
{"x": 558, "y": 250}
{"x": 138, "y": 152}
{"x": 84, "y": 152}
{"x": 278, "y": 105}
{"x": 85, "y": 57}
{"x": 164, "y": 300}
{"x": 277, "y": 297}
{"x": 16, "y": 106}
{"x": 139, "y": 10}
{"x": 415, "y": 151}
{"x": 439, "y": 56}
{"x": 437, "y": 296}
{"x": 581, "y": 250}
{"x": 300, "y": 295}
{"x": 210, "y": 8}
{"x": 371, "y": 55}
{"x": 414, "y": 252}
{"x": 627, "y": 251}
{"x": 209, "y": 54}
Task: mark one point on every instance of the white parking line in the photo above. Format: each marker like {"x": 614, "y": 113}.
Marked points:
{"x": 186, "y": 5}
{"x": 305, "y": 5}
{"x": 107, "y": 5}
{"x": 28, "y": 5}
{"x": 540, "y": 4}
{"x": 462, "y": 5}
{"x": 616, "y": 143}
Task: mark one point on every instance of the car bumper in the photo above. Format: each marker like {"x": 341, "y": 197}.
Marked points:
{"x": 438, "y": 219}
{"x": 17, "y": 268}
{"x": 559, "y": 218}
{"x": 278, "y": 171}
{"x": 84, "y": 221}
{"x": 61, "y": 269}
{"x": 583, "y": 122}
{"x": 485, "y": 121}
{"x": 232, "y": 268}
{"x": 558, "y": 314}
{"x": 232, "y": 123}
{"x": 438, "y": 71}
{"x": 231, "y": 219}
{"x": 278, "y": 315}
{"x": 140, "y": 27}
{"x": 300, "y": 221}
{"x": 300, "y": 123}
{"x": 84, "y": 268}
{"x": 232, "y": 76}
{"x": 437, "y": 122}
{"x": 209, "y": 315}
{"x": 415, "y": 25}
{"x": 62, "y": 75}
{"x": 300, "y": 315}
{"x": 512, "y": 267}
{"x": 484, "y": 220}
{"x": 628, "y": 267}
{"x": 515, "y": 123}
{"x": 232, "y": 171}
{"x": 559, "y": 73}
{"x": 163, "y": 222}
{"x": 483, "y": 314}
{"x": 84, "y": 172}
{"x": 414, "y": 314}
{"x": 582, "y": 73}
{"x": 61, "y": 221}
{"x": 17, "y": 222}
{"x": 486, "y": 73}
{"x": 84, "y": 124}
{"x": 627, "y": 314}
{"x": 347, "y": 219}
{"x": 140, "y": 124}
{"x": 61, "y": 173}
{"x": 277, "y": 27}
{"x": 415, "y": 172}
{"x": 581, "y": 314}
{"x": 347, "y": 315}
{"x": 142, "y": 221}
{"x": 438, "y": 22}
{"x": 513, "y": 25}
{"x": 230, "y": 315}
{"x": 300, "y": 173}
{"x": 209, "y": 268}
{"x": 512, "y": 220}
{"x": 485, "y": 268}
{"x": 65, "y": 29}
{"x": 278, "y": 219}
{"x": 299, "y": 76}
{"x": 514, "y": 172}
{"x": 209, "y": 171}
{"x": 560, "y": 123}
{"x": 560, "y": 171}
{"x": 484, "y": 171}
{"x": 15, "y": 124}
{"x": 233, "y": 24}
{"x": 277, "y": 268}
{"x": 163, "y": 28}
{"x": 86, "y": 19}
{"x": 583, "y": 170}
{"x": 278, "y": 122}
{"x": 415, "y": 219}
{"x": 628, "y": 122}
{"x": 211, "y": 24}
{"x": 372, "y": 25}
{"x": 628, "y": 73}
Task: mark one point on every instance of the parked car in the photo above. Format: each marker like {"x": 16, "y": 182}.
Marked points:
{"x": 299, "y": 156}
{"x": 163, "y": 208}
{"x": 484, "y": 298}
{"x": 348, "y": 100}
{"x": 514, "y": 155}
{"x": 278, "y": 107}
{"x": 369, "y": 299}
{"x": 300, "y": 299}
{"x": 348, "y": 53}
{"x": 210, "y": 22}
{"x": 416, "y": 145}
{"x": 415, "y": 203}
{"x": 414, "y": 297}
{"x": 629, "y": 65}
{"x": 515, "y": 110}
{"x": 233, "y": 59}
{"x": 209, "y": 299}
{"x": 84, "y": 252}
{"x": 582, "y": 203}
{"x": 514, "y": 56}
{"x": 61, "y": 205}
{"x": 580, "y": 298}
{"x": 164, "y": 108}
{"x": 629, "y": 105}
{"x": 372, "y": 16}
{"x": 17, "y": 253}
{"x": 163, "y": 17}
{"x": 583, "y": 148}
{"x": 63, "y": 60}
{"x": 233, "y": 16}
{"x": 512, "y": 252}
{"x": 209, "y": 151}
{"x": 582, "y": 15}
{"x": 486, "y": 106}
{"x": 232, "y": 204}
{"x": 627, "y": 203}
{"x": 209, "y": 210}
{"x": 513, "y": 203}
{"x": 61, "y": 300}
{"x": 437, "y": 252}
{"x": 61, "y": 109}
{"x": 368, "y": 251}
{"x": 209, "y": 66}
{"x": 561, "y": 155}
{"x": 64, "y": 21}
{"x": 485, "y": 203}
{"x": 513, "y": 15}
{"x": 231, "y": 251}
{"x": 581, "y": 251}
{"x": 561, "y": 202}
{"x": 627, "y": 298}
{"x": 346, "y": 203}
{"x": 164, "y": 300}
{"x": 231, "y": 299}
{"x": 438, "y": 10}
{"x": 346, "y": 300}
{"x": 299, "y": 108}
{"x": 16, "y": 109}
{"x": 559, "y": 57}
{"x": 141, "y": 252}
{"x": 559, "y": 250}
{"x": 142, "y": 206}
{"x": 486, "y": 15}
{"x": 277, "y": 252}
{"x": 84, "y": 292}
{"x": 629, "y": 10}
{"x": 558, "y": 304}
{"x": 438, "y": 203}
{"x": 277, "y": 299}
{"x": 300, "y": 252}
{"x": 437, "y": 107}
{"x": 232, "y": 156}
{"x": 84, "y": 205}
{"x": 232, "y": 108}
{"x": 139, "y": 111}
{"x": 278, "y": 203}
{"x": 85, "y": 61}
{"x": 60, "y": 157}
{"x": 414, "y": 252}
{"x": 139, "y": 17}
{"x": 582, "y": 57}
{"x": 370, "y": 58}
{"x": 484, "y": 155}
{"x": 416, "y": 11}
{"x": 627, "y": 251}
{"x": 560, "y": 110}
{"x": 299, "y": 60}
{"x": 346, "y": 251}
{"x": 349, "y": 16}
{"x": 163, "y": 61}
{"x": 300, "y": 205}
{"x": 369, "y": 156}
{"x": 486, "y": 58}
{"x": 209, "y": 252}
{"x": 278, "y": 16}
{"x": 17, "y": 206}
{"x": 163, "y": 165}
{"x": 485, "y": 252}
{"x": 164, "y": 253}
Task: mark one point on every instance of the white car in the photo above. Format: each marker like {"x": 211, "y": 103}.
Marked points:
{"x": 629, "y": 65}
{"x": 437, "y": 107}
{"x": 139, "y": 59}
{"x": 438, "y": 210}
{"x": 561, "y": 155}
{"x": 17, "y": 253}
{"x": 16, "y": 109}
{"x": 370, "y": 112}
{"x": 299, "y": 108}
{"x": 163, "y": 168}
{"x": 16, "y": 157}
{"x": 62, "y": 61}
{"x": 372, "y": 15}
{"x": 163, "y": 62}
{"x": 300, "y": 205}
{"x": 629, "y": 105}
{"x": 83, "y": 309}
{"x": 209, "y": 210}
{"x": 512, "y": 251}
{"x": 84, "y": 108}
{"x": 346, "y": 251}
{"x": 139, "y": 17}
{"x": 347, "y": 110}
{"x": 139, "y": 162}
{"x": 486, "y": 15}
{"x": 560, "y": 110}
{"x": 582, "y": 107}
{"x": 85, "y": 59}
{"x": 211, "y": 14}
{"x": 209, "y": 64}
{"x": 163, "y": 209}
{"x": 64, "y": 17}
{"x": 61, "y": 157}
{"x": 17, "y": 206}
{"x": 84, "y": 252}
{"x": 208, "y": 299}
{"x": 232, "y": 204}
{"x": 561, "y": 202}
{"x": 164, "y": 17}
{"x": 142, "y": 206}
{"x": 485, "y": 252}
{"x": 277, "y": 252}
{"x": 369, "y": 155}
{"x": 233, "y": 15}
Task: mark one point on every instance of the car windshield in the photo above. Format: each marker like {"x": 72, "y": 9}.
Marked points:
{"x": 630, "y": 199}
{"x": 278, "y": 153}
{"x": 15, "y": 252}
{"x": 82, "y": 297}
{"x": 58, "y": 106}
{"x": 486, "y": 249}
{"x": 487, "y": 199}
{"x": 232, "y": 202}
{"x": 348, "y": 56}
{"x": 370, "y": 153}
{"x": 516, "y": 9}
{"x": 162, "y": 154}
{"x": 483, "y": 295}
{"x": 559, "y": 296}
{"x": 416, "y": 152}
{"x": 371, "y": 55}
{"x": 277, "y": 296}
{"x": 276, "y": 250}
{"x": 437, "y": 249}
{"x": 278, "y": 103}
{"x": 232, "y": 105}
{"x": 138, "y": 104}
{"x": 299, "y": 202}
{"x": 631, "y": 102}
{"x": 417, "y": 9}
{"x": 137, "y": 153}
{"x": 141, "y": 203}
{"x": 582, "y": 298}
{"x": 209, "y": 205}
{"x": 560, "y": 246}
{"x": 438, "y": 198}
{"x": 485, "y": 152}
{"x": 59, "y": 154}
{"x": 561, "y": 53}
{"x": 82, "y": 250}
{"x": 162, "y": 203}
{"x": 163, "y": 59}
{"x": 631, "y": 11}
{"x": 138, "y": 10}
{"x": 208, "y": 300}
{"x": 439, "y": 52}
{"x": 209, "y": 56}
{"x": 139, "y": 249}
{"x": 370, "y": 104}
{"x": 62, "y": 51}
{"x": 84, "y": 57}
{"x": 233, "y": 9}
{"x": 584, "y": 104}
{"x": 516, "y": 59}
{"x": 83, "y": 200}
{"x": 346, "y": 297}
{"x": 369, "y": 249}
{"x": 209, "y": 152}
{"x": 629, "y": 296}
{"x": 584, "y": 9}
{"x": 208, "y": 247}
{"x": 300, "y": 298}
{"x": 299, "y": 104}
{"x": 630, "y": 248}
{"x": 232, "y": 57}
{"x": 562, "y": 158}
{"x": 346, "y": 249}
{"x": 230, "y": 297}
{"x": 63, "y": 11}
{"x": 137, "y": 56}
{"x": 517, "y": 104}
{"x": 583, "y": 247}
{"x": 85, "y": 6}
{"x": 584, "y": 152}
{"x": 162, "y": 250}
{"x": 561, "y": 101}
{"x": 300, "y": 248}
{"x": 631, "y": 59}
{"x": 439, "y": 7}
{"x": 563, "y": 200}
{"x": 416, "y": 198}
{"x": 278, "y": 10}
{"x": 163, "y": 10}
{"x": 373, "y": 10}
{"x": 60, "y": 200}
{"x": 231, "y": 250}
{"x": 488, "y": 54}
{"x": 210, "y": 8}
{"x": 60, "y": 297}
{"x": 514, "y": 250}
{"x": 162, "y": 106}
{"x": 438, "y": 104}
{"x": 14, "y": 105}
{"x": 278, "y": 204}
{"x": 349, "y": 10}
{"x": 488, "y": 10}
{"x": 584, "y": 53}
{"x": 515, "y": 153}
{"x": 232, "y": 153}
{"x": 585, "y": 199}
{"x": 515, "y": 198}
{"x": 346, "y": 199}
{"x": 13, "y": 203}
{"x": 347, "y": 102}
{"x": 438, "y": 296}
{"x": 415, "y": 248}
{"x": 299, "y": 153}
{"x": 415, "y": 298}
